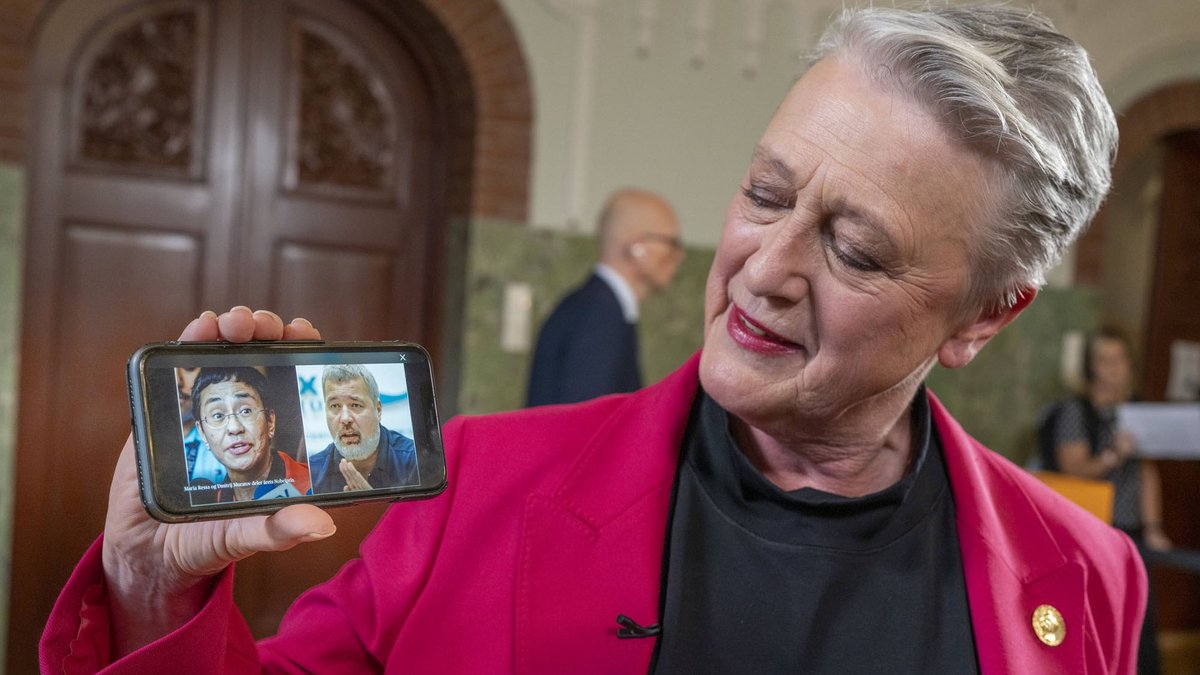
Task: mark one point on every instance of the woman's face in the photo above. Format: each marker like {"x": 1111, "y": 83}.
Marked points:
{"x": 236, "y": 427}
{"x": 1111, "y": 369}
{"x": 842, "y": 269}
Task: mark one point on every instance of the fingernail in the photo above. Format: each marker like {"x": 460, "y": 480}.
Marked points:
{"x": 302, "y": 321}
{"x": 265, "y": 312}
{"x": 314, "y": 536}
{"x": 241, "y": 307}
{"x": 208, "y": 314}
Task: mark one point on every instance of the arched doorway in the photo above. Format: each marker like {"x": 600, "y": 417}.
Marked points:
{"x": 316, "y": 157}
{"x": 1149, "y": 232}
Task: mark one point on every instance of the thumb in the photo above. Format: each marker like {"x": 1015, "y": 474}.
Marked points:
{"x": 281, "y": 531}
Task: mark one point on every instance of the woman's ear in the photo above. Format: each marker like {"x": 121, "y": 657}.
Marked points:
{"x": 960, "y": 348}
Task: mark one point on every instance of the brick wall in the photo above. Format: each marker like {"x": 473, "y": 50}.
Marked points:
{"x": 503, "y": 133}
{"x": 496, "y": 74}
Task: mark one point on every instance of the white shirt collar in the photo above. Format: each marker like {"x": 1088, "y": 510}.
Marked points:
{"x": 620, "y": 288}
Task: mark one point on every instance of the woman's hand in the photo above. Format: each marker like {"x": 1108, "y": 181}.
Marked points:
{"x": 158, "y": 576}
{"x": 1155, "y": 538}
{"x": 1124, "y": 445}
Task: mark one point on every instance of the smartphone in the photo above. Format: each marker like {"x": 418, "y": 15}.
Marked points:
{"x": 224, "y": 430}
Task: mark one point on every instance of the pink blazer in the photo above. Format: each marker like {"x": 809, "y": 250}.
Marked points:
{"x": 554, "y": 523}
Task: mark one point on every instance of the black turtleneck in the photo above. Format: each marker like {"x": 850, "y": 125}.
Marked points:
{"x": 760, "y": 580}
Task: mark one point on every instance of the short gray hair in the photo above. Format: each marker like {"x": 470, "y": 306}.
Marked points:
{"x": 1004, "y": 82}
{"x": 345, "y": 372}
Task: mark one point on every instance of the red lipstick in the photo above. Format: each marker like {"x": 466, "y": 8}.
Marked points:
{"x": 753, "y": 336}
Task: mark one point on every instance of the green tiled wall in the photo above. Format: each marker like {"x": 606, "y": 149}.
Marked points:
{"x": 12, "y": 193}
{"x": 553, "y": 263}
{"x": 996, "y": 397}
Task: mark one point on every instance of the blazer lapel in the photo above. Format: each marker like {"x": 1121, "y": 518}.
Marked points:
{"x": 1012, "y": 565}
{"x": 592, "y": 548}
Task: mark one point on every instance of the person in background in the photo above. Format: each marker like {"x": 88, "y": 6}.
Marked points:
{"x": 1088, "y": 443}
{"x": 201, "y": 463}
{"x": 588, "y": 346}
{"x": 792, "y": 498}
{"x": 364, "y": 453}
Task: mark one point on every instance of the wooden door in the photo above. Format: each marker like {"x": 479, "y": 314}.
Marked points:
{"x": 338, "y": 224}
{"x": 1174, "y": 307}
{"x": 340, "y": 162}
{"x": 1175, "y": 315}
{"x": 193, "y": 154}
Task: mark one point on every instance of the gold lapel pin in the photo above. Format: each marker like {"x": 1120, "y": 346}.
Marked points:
{"x": 1048, "y": 625}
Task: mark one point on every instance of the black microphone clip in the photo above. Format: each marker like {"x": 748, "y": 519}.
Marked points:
{"x": 632, "y": 629}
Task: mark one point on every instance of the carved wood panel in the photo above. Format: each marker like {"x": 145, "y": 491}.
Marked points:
{"x": 140, "y": 93}
{"x": 341, "y": 120}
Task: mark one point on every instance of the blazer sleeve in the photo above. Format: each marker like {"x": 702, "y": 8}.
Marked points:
{"x": 77, "y": 635}
{"x": 339, "y": 626}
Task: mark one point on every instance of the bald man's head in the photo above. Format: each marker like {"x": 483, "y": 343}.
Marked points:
{"x": 639, "y": 238}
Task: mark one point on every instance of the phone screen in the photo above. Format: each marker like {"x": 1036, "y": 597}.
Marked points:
{"x": 228, "y": 429}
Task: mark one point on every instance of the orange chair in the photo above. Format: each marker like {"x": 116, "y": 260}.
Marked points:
{"x": 1096, "y": 496}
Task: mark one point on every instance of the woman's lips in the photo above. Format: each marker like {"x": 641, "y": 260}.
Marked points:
{"x": 751, "y": 335}
{"x": 239, "y": 448}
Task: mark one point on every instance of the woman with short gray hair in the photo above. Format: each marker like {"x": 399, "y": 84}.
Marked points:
{"x": 791, "y": 499}
{"x": 1002, "y": 80}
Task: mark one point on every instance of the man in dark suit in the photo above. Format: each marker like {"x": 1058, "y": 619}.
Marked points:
{"x": 588, "y": 347}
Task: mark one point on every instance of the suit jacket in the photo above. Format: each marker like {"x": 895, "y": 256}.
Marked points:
{"x": 585, "y": 349}
{"x": 553, "y": 524}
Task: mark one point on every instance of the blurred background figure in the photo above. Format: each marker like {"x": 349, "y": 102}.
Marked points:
{"x": 1081, "y": 438}
{"x": 202, "y": 464}
{"x": 588, "y": 347}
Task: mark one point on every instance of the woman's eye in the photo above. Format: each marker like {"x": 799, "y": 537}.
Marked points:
{"x": 761, "y": 201}
{"x": 854, "y": 260}
{"x": 846, "y": 252}
{"x": 848, "y": 255}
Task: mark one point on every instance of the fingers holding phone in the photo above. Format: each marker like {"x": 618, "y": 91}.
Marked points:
{"x": 155, "y": 572}
{"x": 283, "y": 426}
{"x": 241, "y": 324}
